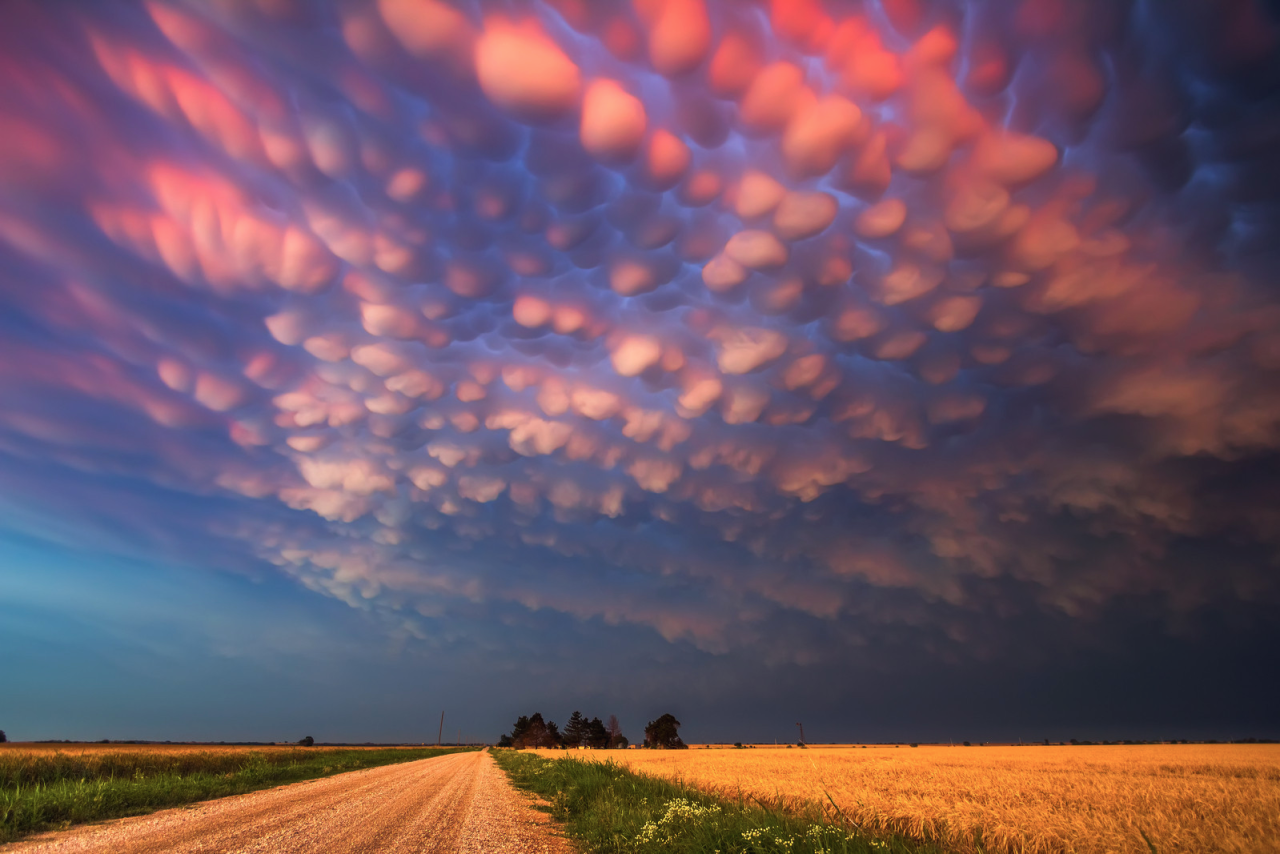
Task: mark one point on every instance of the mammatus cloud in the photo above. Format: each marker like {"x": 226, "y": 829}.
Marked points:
{"x": 753, "y": 324}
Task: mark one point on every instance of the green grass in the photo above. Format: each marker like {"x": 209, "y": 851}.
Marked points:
{"x": 610, "y": 809}
{"x": 56, "y": 790}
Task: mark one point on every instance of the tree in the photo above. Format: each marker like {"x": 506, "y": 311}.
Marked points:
{"x": 535, "y": 733}
{"x": 596, "y": 735}
{"x": 3, "y": 737}
{"x": 575, "y": 730}
{"x": 615, "y": 732}
{"x": 519, "y": 731}
{"x": 664, "y": 733}
{"x": 307, "y": 741}
{"x": 505, "y": 741}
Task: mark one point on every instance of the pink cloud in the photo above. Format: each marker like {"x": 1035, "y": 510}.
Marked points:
{"x": 844, "y": 299}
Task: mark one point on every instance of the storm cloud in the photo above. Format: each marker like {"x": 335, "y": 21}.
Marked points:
{"x": 793, "y": 331}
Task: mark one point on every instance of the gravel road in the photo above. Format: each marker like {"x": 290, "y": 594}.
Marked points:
{"x": 456, "y": 803}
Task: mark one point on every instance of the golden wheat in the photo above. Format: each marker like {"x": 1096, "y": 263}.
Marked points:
{"x": 1187, "y": 799}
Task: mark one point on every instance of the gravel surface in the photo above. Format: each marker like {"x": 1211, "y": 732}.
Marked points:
{"x": 456, "y": 803}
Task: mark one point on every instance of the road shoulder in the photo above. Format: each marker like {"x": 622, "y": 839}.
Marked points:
{"x": 504, "y": 820}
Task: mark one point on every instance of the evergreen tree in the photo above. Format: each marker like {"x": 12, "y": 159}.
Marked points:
{"x": 520, "y": 731}
{"x": 597, "y": 736}
{"x": 532, "y": 731}
{"x": 575, "y": 730}
{"x": 536, "y": 734}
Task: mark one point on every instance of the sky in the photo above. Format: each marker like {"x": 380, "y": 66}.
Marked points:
{"x": 906, "y": 368}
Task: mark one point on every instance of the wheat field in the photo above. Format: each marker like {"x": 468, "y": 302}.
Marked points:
{"x": 1186, "y": 799}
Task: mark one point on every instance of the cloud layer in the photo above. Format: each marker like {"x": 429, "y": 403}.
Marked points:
{"x": 780, "y": 327}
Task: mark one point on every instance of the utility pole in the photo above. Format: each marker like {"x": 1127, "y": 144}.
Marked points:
{"x": 801, "y": 732}
{"x": 440, "y": 734}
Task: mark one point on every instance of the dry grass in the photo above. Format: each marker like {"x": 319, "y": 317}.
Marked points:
{"x": 1018, "y": 800}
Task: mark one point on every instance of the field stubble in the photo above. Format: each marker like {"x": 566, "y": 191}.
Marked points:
{"x": 1186, "y": 799}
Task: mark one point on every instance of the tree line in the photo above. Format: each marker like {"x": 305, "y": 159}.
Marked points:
{"x": 535, "y": 731}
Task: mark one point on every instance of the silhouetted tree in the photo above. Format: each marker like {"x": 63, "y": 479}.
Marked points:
{"x": 505, "y": 741}
{"x": 307, "y": 741}
{"x": 575, "y": 730}
{"x": 615, "y": 732}
{"x": 664, "y": 733}
{"x": 535, "y": 733}
{"x": 520, "y": 731}
{"x": 3, "y": 737}
{"x": 596, "y": 735}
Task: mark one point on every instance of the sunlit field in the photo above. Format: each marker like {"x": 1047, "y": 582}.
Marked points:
{"x": 1020, "y": 800}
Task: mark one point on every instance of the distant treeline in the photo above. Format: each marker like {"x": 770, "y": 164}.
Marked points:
{"x": 535, "y": 731}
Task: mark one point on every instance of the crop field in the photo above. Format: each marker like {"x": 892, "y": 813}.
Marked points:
{"x": 1183, "y": 799}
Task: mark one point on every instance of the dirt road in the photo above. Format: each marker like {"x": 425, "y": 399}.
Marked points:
{"x": 456, "y": 803}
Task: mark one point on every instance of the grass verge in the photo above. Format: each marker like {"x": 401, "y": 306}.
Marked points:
{"x": 613, "y": 810}
{"x": 51, "y": 791}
